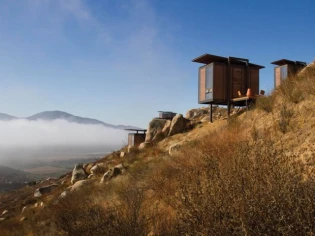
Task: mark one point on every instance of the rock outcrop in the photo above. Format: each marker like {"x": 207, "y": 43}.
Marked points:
{"x": 24, "y": 209}
{"x": 99, "y": 168}
{"x": 78, "y": 173}
{"x": 113, "y": 172}
{"x": 4, "y": 212}
{"x": 79, "y": 184}
{"x": 143, "y": 145}
{"x": 43, "y": 190}
{"x": 178, "y": 125}
{"x": 154, "y": 126}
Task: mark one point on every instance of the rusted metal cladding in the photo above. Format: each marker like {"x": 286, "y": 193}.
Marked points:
{"x": 138, "y": 139}
{"x": 135, "y": 139}
{"x": 219, "y": 82}
{"x": 237, "y": 81}
{"x": 254, "y": 81}
{"x": 216, "y": 87}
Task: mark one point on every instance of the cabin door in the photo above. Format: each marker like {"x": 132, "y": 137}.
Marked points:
{"x": 237, "y": 82}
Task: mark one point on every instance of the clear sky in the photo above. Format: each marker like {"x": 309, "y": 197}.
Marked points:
{"x": 122, "y": 61}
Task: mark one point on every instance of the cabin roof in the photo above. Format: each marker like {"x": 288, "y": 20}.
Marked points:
{"x": 282, "y": 62}
{"x": 208, "y": 59}
{"x": 137, "y": 130}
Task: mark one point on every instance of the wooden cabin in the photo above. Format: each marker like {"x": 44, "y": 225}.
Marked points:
{"x": 226, "y": 80}
{"x": 285, "y": 68}
{"x": 166, "y": 115}
{"x": 135, "y": 139}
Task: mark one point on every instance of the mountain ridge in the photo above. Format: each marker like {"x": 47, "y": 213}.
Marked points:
{"x": 56, "y": 114}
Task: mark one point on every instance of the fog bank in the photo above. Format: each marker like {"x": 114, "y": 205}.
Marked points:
{"x": 21, "y": 139}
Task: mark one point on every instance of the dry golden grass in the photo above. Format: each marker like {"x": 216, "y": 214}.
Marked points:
{"x": 244, "y": 178}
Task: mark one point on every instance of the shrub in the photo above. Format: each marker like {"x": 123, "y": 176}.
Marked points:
{"x": 285, "y": 118}
{"x": 224, "y": 186}
{"x": 265, "y": 103}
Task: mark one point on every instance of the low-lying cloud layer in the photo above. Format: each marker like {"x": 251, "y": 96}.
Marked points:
{"x": 23, "y": 139}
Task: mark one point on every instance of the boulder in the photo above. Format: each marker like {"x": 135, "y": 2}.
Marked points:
{"x": 51, "y": 179}
{"x": 174, "y": 148}
{"x": 113, "y": 172}
{"x": 87, "y": 168}
{"x": 23, "y": 219}
{"x": 78, "y": 173}
{"x": 64, "y": 182}
{"x": 122, "y": 154}
{"x": 154, "y": 126}
{"x": 79, "y": 184}
{"x": 63, "y": 194}
{"x": 4, "y": 212}
{"x": 159, "y": 136}
{"x": 197, "y": 113}
{"x": 43, "y": 190}
{"x": 178, "y": 125}
{"x": 90, "y": 176}
{"x": 166, "y": 128}
{"x": 143, "y": 145}
{"x": 23, "y": 209}
{"x": 205, "y": 119}
{"x": 99, "y": 168}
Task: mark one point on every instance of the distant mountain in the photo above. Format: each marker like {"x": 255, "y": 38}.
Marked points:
{"x": 6, "y": 117}
{"x": 55, "y": 115}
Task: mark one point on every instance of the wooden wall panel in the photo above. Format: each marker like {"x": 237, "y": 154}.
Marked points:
{"x": 238, "y": 81}
{"x": 254, "y": 81}
{"x": 202, "y": 84}
{"x": 277, "y": 76}
{"x": 219, "y": 82}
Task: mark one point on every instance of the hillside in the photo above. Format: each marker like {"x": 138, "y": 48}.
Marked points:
{"x": 55, "y": 115}
{"x": 11, "y": 179}
{"x": 253, "y": 175}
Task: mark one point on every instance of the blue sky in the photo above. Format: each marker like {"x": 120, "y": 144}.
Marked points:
{"x": 122, "y": 61}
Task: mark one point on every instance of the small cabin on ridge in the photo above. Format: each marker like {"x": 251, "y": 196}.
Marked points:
{"x": 166, "y": 115}
{"x": 135, "y": 139}
{"x": 285, "y": 68}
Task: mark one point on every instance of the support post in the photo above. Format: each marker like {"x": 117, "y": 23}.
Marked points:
{"x": 211, "y": 113}
{"x": 228, "y": 110}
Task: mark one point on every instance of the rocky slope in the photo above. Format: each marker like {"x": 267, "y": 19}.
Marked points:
{"x": 253, "y": 175}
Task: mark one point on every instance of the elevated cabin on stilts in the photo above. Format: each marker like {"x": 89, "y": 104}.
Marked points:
{"x": 227, "y": 81}
{"x": 285, "y": 68}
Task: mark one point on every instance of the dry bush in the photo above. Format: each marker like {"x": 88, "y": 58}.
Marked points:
{"x": 285, "y": 117}
{"x": 223, "y": 186}
{"x": 265, "y": 103}
{"x": 291, "y": 89}
{"x": 12, "y": 227}
{"x": 298, "y": 87}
